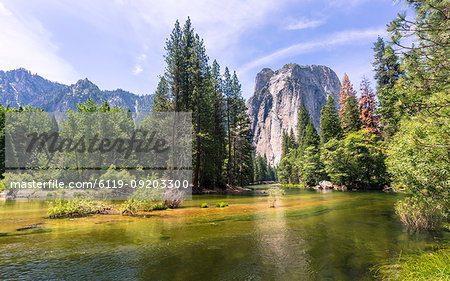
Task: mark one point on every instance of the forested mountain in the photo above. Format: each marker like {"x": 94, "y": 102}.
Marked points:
{"x": 20, "y": 88}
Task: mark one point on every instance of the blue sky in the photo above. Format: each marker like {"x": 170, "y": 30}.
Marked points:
{"x": 120, "y": 44}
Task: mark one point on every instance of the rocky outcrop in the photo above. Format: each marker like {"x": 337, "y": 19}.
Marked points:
{"x": 20, "y": 88}
{"x": 275, "y": 104}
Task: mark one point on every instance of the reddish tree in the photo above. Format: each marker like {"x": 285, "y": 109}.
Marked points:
{"x": 345, "y": 92}
{"x": 367, "y": 106}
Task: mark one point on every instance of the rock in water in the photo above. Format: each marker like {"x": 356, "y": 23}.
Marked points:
{"x": 325, "y": 185}
{"x": 275, "y": 104}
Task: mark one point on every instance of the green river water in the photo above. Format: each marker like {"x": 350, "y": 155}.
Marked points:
{"x": 309, "y": 236}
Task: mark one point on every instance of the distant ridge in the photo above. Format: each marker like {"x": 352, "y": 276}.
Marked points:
{"x": 20, "y": 88}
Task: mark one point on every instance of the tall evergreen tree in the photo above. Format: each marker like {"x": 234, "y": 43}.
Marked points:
{"x": 219, "y": 133}
{"x": 311, "y": 138}
{"x": 162, "y": 102}
{"x": 346, "y": 92}
{"x": 348, "y": 112}
{"x": 351, "y": 121}
{"x": 330, "y": 125}
{"x": 220, "y": 122}
{"x": 303, "y": 120}
{"x": 367, "y": 105}
{"x": 387, "y": 72}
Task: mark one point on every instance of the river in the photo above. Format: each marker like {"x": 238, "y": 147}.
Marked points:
{"x": 308, "y": 236}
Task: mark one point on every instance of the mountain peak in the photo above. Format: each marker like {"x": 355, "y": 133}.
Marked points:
{"x": 262, "y": 78}
{"x": 274, "y": 106}
{"x": 19, "y": 88}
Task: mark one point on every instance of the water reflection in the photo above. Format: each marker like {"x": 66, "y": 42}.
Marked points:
{"x": 308, "y": 236}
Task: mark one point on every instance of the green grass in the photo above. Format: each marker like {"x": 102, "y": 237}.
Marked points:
{"x": 293, "y": 186}
{"x": 261, "y": 186}
{"x": 221, "y": 205}
{"x": 433, "y": 265}
{"x": 159, "y": 206}
{"x": 73, "y": 208}
{"x": 419, "y": 213}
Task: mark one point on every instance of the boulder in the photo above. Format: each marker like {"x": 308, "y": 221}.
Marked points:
{"x": 325, "y": 185}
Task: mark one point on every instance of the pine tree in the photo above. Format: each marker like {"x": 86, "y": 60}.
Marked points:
{"x": 351, "y": 121}
{"x": 348, "y": 112}
{"x": 242, "y": 144}
{"x": 387, "y": 72}
{"x": 303, "y": 120}
{"x": 311, "y": 138}
{"x": 330, "y": 125}
{"x": 227, "y": 90}
{"x": 220, "y": 122}
{"x": 345, "y": 93}
{"x": 161, "y": 101}
{"x": 367, "y": 105}
{"x": 312, "y": 168}
{"x": 219, "y": 133}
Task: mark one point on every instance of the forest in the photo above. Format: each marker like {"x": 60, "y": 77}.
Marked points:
{"x": 395, "y": 136}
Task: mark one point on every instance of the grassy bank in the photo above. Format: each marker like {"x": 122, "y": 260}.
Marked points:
{"x": 433, "y": 265}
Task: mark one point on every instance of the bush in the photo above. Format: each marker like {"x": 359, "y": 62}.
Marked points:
{"x": 221, "y": 205}
{"x": 204, "y": 205}
{"x": 159, "y": 206}
{"x": 73, "y": 208}
{"x": 426, "y": 266}
{"x": 130, "y": 207}
{"x": 420, "y": 213}
{"x": 418, "y": 159}
{"x": 173, "y": 198}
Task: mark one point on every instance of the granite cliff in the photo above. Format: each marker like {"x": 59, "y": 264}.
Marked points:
{"x": 274, "y": 106}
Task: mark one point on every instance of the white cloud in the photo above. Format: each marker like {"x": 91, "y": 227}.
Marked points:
{"x": 346, "y": 3}
{"x": 340, "y": 38}
{"x": 26, "y": 43}
{"x": 220, "y": 23}
{"x": 304, "y": 24}
{"x": 139, "y": 66}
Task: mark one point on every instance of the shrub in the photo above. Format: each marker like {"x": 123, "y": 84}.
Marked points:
{"x": 204, "y": 205}
{"x": 73, "y": 208}
{"x": 420, "y": 213}
{"x": 221, "y": 204}
{"x": 418, "y": 160}
{"x": 173, "y": 198}
{"x": 130, "y": 207}
{"x": 159, "y": 206}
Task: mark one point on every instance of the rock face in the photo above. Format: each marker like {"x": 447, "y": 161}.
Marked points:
{"x": 20, "y": 88}
{"x": 275, "y": 104}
